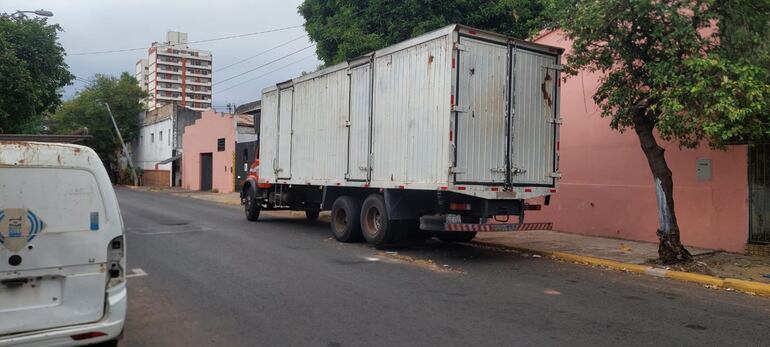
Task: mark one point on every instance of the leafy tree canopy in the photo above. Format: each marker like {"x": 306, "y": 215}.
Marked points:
{"x": 32, "y": 73}
{"x": 698, "y": 68}
{"x": 87, "y": 110}
{"x": 345, "y": 29}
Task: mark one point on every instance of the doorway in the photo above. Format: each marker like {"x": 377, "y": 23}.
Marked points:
{"x": 207, "y": 171}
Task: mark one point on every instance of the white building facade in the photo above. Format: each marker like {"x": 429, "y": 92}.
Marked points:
{"x": 177, "y": 74}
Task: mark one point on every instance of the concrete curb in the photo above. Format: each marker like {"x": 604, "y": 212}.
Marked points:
{"x": 751, "y": 287}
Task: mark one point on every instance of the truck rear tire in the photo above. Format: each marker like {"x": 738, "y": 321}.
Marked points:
{"x": 344, "y": 221}
{"x": 456, "y": 237}
{"x": 377, "y": 228}
{"x": 312, "y": 214}
{"x": 251, "y": 206}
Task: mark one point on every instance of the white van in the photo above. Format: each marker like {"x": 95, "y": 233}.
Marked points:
{"x": 62, "y": 251}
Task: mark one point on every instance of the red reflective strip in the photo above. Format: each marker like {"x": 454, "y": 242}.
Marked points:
{"x": 452, "y": 100}
{"x": 472, "y": 32}
{"x": 264, "y": 185}
{"x": 528, "y": 190}
{"x": 557, "y": 145}
{"x": 443, "y": 188}
{"x": 453, "y": 63}
{"x": 460, "y": 188}
{"x": 401, "y": 187}
{"x": 366, "y": 185}
{"x": 494, "y": 189}
{"x": 450, "y": 135}
{"x": 338, "y": 183}
{"x": 553, "y": 190}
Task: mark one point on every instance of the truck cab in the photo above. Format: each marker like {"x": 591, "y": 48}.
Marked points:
{"x": 62, "y": 249}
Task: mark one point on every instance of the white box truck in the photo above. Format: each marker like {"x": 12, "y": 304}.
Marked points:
{"x": 449, "y": 131}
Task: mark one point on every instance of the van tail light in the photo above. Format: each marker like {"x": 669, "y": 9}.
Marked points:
{"x": 116, "y": 263}
{"x": 86, "y": 336}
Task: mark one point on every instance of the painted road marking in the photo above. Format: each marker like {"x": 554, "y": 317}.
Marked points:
{"x": 138, "y": 272}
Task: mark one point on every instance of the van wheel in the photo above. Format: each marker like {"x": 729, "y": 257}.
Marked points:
{"x": 456, "y": 237}
{"x": 251, "y": 206}
{"x": 377, "y": 228}
{"x": 312, "y": 214}
{"x": 344, "y": 219}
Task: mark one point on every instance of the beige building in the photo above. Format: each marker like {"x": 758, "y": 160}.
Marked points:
{"x": 174, "y": 73}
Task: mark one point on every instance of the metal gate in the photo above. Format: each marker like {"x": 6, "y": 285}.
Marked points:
{"x": 759, "y": 193}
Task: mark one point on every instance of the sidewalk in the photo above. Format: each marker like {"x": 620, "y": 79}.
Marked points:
{"x": 711, "y": 267}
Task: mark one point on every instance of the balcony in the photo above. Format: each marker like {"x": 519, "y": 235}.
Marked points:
{"x": 177, "y": 88}
{"x": 171, "y": 63}
{"x": 193, "y": 82}
{"x": 172, "y": 80}
{"x": 169, "y": 71}
{"x": 194, "y": 74}
{"x": 167, "y": 98}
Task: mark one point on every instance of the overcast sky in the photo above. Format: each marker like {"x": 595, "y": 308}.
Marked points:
{"x": 101, "y": 25}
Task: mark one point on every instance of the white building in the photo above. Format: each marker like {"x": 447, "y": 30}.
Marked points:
{"x": 158, "y": 148}
{"x": 176, "y": 74}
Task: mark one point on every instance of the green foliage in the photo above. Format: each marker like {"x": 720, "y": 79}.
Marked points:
{"x": 660, "y": 61}
{"x": 87, "y": 110}
{"x": 345, "y": 29}
{"x": 32, "y": 73}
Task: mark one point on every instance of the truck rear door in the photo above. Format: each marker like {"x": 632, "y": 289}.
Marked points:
{"x": 505, "y": 114}
{"x": 534, "y": 107}
{"x": 53, "y": 247}
{"x": 480, "y": 117}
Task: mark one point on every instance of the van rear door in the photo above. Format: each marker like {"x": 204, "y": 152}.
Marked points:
{"x": 55, "y": 225}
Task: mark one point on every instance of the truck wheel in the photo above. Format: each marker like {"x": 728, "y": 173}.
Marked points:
{"x": 456, "y": 237}
{"x": 312, "y": 214}
{"x": 375, "y": 225}
{"x": 251, "y": 206}
{"x": 344, "y": 219}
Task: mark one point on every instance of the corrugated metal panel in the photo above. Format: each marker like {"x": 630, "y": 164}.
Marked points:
{"x": 320, "y": 135}
{"x": 481, "y": 136}
{"x": 534, "y": 111}
{"x": 268, "y": 141}
{"x": 412, "y": 89}
{"x": 285, "y": 115}
{"x": 360, "y": 121}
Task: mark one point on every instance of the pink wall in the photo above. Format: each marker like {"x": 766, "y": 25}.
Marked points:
{"x": 201, "y": 137}
{"x": 607, "y": 188}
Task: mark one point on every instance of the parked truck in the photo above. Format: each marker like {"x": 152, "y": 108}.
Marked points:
{"x": 452, "y": 132}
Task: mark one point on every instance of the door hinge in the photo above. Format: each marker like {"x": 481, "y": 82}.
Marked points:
{"x": 363, "y": 168}
{"x": 555, "y": 175}
{"x": 500, "y": 170}
{"x": 456, "y": 170}
{"x": 460, "y": 47}
{"x": 557, "y": 121}
{"x": 459, "y": 109}
{"x": 347, "y": 124}
{"x": 517, "y": 171}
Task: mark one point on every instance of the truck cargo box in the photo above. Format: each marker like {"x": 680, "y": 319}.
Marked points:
{"x": 457, "y": 109}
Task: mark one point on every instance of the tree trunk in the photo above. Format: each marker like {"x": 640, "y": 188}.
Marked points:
{"x": 670, "y": 249}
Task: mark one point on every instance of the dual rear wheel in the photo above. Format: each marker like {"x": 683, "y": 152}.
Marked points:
{"x": 353, "y": 220}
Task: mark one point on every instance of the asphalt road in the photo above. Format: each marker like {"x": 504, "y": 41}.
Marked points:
{"x": 215, "y": 279}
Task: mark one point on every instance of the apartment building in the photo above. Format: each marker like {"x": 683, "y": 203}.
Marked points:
{"x": 176, "y": 74}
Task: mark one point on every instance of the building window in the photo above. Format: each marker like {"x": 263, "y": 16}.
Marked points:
{"x": 141, "y": 139}
{"x": 169, "y": 137}
{"x": 160, "y": 136}
{"x": 220, "y": 145}
{"x": 152, "y": 138}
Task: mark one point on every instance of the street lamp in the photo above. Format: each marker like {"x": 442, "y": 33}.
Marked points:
{"x": 42, "y": 13}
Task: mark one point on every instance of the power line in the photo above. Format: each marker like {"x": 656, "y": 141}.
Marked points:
{"x": 265, "y": 74}
{"x": 260, "y": 53}
{"x": 199, "y": 41}
{"x": 263, "y": 65}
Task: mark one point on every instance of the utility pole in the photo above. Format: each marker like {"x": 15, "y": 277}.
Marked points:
{"x": 125, "y": 149}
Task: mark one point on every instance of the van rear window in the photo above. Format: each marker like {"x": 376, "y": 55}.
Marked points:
{"x": 64, "y": 199}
